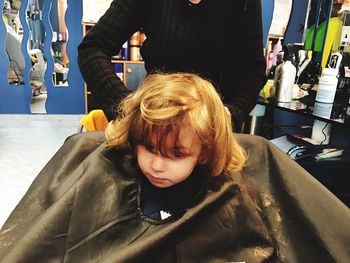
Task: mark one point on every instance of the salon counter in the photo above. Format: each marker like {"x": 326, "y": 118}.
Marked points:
{"x": 331, "y": 172}
{"x": 337, "y": 113}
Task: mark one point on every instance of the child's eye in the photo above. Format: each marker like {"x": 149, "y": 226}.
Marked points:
{"x": 178, "y": 154}
{"x": 150, "y": 148}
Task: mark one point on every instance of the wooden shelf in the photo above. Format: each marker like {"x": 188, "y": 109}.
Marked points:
{"x": 86, "y": 27}
{"x": 89, "y": 23}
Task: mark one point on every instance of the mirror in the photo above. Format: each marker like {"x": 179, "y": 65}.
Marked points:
{"x": 33, "y": 19}
{"x": 306, "y": 31}
{"x": 56, "y": 18}
{"x": 14, "y": 31}
{"x": 65, "y": 96}
{"x": 314, "y": 39}
{"x": 59, "y": 42}
{"x": 316, "y": 26}
{"x": 16, "y": 51}
{"x": 37, "y": 57}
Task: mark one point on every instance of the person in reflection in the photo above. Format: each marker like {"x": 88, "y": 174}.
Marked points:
{"x": 170, "y": 182}
{"x": 221, "y": 41}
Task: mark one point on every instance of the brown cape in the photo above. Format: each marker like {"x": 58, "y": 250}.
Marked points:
{"x": 84, "y": 207}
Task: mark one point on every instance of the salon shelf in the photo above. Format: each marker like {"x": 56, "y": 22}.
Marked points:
{"x": 133, "y": 72}
{"x": 337, "y": 113}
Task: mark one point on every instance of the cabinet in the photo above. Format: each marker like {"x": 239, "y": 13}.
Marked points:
{"x": 131, "y": 72}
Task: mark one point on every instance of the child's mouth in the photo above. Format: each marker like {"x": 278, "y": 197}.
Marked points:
{"x": 157, "y": 180}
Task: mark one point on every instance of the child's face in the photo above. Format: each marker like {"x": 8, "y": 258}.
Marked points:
{"x": 165, "y": 171}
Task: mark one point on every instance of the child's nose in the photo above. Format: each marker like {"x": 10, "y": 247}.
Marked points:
{"x": 158, "y": 163}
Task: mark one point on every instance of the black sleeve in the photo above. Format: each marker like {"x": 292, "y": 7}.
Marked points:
{"x": 247, "y": 63}
{"x": 105, "y": 39}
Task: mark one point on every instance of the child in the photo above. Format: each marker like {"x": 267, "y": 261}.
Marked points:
{"x": 169, "y": 188}
{"x": 181, "y": 133}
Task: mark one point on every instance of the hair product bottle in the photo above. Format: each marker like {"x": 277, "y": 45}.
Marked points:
{"x": 285, "y": 78}
{"x": 327, "y": 85}
{"x": 135, "y": 43}
{"x": 277, "y": 48}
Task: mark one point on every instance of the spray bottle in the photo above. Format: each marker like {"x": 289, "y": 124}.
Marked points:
{"x": 285, "y": 77}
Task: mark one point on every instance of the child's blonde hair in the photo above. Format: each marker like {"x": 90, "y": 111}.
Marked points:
{"x": 167, "y": 102}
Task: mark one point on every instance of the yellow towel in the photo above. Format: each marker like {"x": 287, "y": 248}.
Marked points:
{"x": 95, "y": 120}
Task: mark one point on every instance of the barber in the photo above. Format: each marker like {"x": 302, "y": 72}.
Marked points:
{"x": 219, "y": 39}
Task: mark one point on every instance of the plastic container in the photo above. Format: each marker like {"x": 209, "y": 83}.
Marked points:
{"x": 277, "y": 48}
{"x": 135, "y": 54}
{"x": 335, "y": 60}
{"x": 284, "y": 81}
{"x": 327, "y": 85}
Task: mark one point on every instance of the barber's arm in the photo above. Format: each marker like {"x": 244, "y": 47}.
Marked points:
{"x": 247, "y": 64}
{"x": 105, "y": 39}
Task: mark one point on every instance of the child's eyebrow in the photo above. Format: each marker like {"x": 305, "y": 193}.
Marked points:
{"x": 183, "y": 149}
{"x": 167, "y": 148}
{"x": 180, "y": 147}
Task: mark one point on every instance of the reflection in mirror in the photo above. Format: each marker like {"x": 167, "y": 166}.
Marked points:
{"x": 15, "y": 73}
{"x": 310, "y": 24}
{"x": 36, "y": 49}
{"x": 59, "y": 42}
{"x": 314, "y": 40}
{"x": 36, "y": 52}
{"x": 318, "y": 16}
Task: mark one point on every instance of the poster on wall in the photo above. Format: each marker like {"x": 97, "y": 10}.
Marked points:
{"x": 94, "y": 9}
{"x": 280, "y": 17}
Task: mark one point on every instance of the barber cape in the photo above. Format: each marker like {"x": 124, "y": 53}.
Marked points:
{"x": 84, "y": 206}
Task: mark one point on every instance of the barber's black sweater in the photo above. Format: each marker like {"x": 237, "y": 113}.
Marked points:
{"x": 218, "y": 39}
